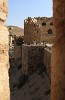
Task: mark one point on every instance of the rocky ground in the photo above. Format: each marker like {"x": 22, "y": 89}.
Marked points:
{"x": 33, "y": 87}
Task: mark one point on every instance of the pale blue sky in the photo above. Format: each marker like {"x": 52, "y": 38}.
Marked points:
{"x": 21, "y": 9}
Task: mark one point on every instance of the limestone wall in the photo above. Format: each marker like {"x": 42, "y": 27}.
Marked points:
{"x": 3, "y": 9}
{"x": 4, "y": 57}
{"x": 32, "y": 58}
{"x": 31, "y": 31}
{"x": 38, "y": 29}
{"x": 47, "y": 60}
{"x": 58, "y": 52}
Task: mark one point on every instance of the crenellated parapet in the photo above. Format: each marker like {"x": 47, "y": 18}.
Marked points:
{"x": 30, "y": 20}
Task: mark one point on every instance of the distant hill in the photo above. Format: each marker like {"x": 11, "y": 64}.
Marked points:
{"x": 15, "y": 30}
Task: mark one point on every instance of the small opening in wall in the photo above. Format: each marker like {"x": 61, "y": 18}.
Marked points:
{"x": 43, "y": 24}
{"x": 50, "y": 31}
{"x": 12, "y": 41}
{"x": 51, "y": 23}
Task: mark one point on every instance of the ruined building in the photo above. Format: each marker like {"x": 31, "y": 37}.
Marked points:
{"x": 38, "y": 29}
{"x": 36, "y": 32}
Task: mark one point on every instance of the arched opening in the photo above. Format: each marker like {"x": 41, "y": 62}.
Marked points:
{"x": 43, "y": 24}
{"x": 51, "y": 23}
{"x": 50, "y": 31}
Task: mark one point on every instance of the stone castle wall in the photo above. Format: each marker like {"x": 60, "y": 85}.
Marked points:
{"x": 32, "y": 58}
{"x": 58, "y": 52}
{"x": 17, "y": 52}
{"x": 47, "y": 60}
{"x": 38, "y": 29}
{"x": 31, "y": 31}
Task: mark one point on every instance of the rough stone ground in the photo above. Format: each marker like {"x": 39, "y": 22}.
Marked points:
{"x": 34, "y": 87}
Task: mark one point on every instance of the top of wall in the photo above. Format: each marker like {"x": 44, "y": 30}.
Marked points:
{"x": 36, "y": 19}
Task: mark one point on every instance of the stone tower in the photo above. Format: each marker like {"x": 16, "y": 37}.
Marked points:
{"x": 39, "y": 29}
{"x": 4, "y": 58}
{"x": 58, "y": 52}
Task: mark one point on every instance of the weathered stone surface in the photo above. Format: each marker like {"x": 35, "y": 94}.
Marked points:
{"x": 47, "y": 60}
{"x": 32, "y": 58}
{"x": 39, "y": 29}
{"x": 4, "y": 63}
{"x": 3, "y": 9}
{"x": 58, "y": 53}
{"x": 4, "y": 44}
{"x": 4, "y": 82}
{"x": 4, "y": 35}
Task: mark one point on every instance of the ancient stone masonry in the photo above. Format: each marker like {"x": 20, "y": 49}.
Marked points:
{"x": 32, "y": 58}
{"x": 4, "y": 58}
{"x": 58, "y": 52}
{"x": 3, "y": 9}
{"x": 18, "y": 41}
{"x": 47, "y": 60}
{"x": 38, "y": 29}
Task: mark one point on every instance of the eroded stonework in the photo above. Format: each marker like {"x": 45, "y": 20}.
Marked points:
{"x": 39, "y": 29}
{"x": 58, "y": 52}
{"x": 4, "y": 63}
{"x": 32, "y": 58}
{"x": 4, "y": 57}
{"x": 3, "y": 9}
